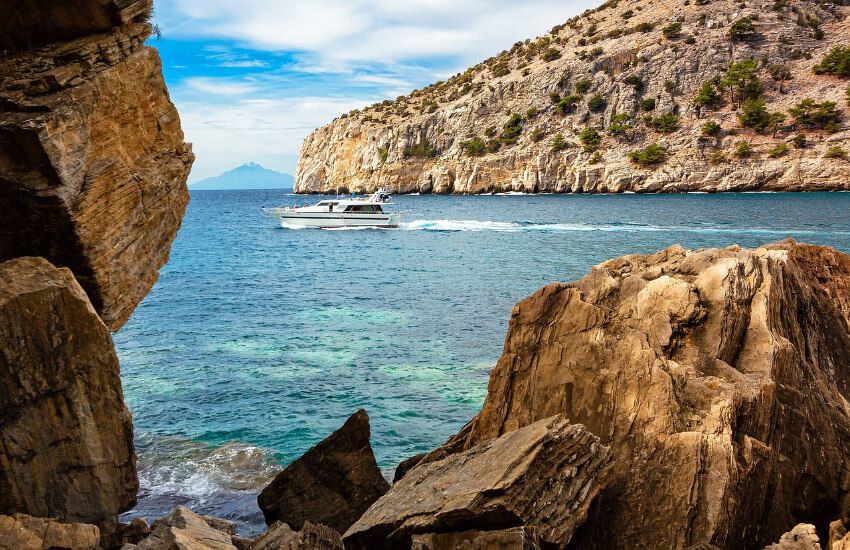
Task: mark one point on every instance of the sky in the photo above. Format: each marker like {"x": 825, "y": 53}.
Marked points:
{"x": 251, "y": 78}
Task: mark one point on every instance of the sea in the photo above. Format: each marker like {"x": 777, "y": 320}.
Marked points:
{"x": 258, "y": 341}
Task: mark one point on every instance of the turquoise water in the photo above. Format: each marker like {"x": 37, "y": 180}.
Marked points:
{"x": 258, "y": 341}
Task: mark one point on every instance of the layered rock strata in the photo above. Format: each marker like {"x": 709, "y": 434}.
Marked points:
{"x": 23, "y": 532}
{"x": 331, "y": 484}
{"x": 66, "y": 436}
{"x": 544, "y": 475}
{"x": 719, "y": 378}
{"x": 620, "y": 59}
{"x": 93, "y": 165}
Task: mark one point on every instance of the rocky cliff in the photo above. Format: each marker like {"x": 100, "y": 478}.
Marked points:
{"x": 93, "y": 166}
{"x": 607, "y": 84}
{"x": 719, "y": 378}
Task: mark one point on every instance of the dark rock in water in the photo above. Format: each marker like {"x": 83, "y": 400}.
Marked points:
{"x": 93, "y": 165}
{"x": 544, "y": 475}
{"x": 66, "y": 436}
{"x": 332, "y": 484}
{"x": 406, "y": 465}
{"x": 518, "y": 538}
{"x": 22, "y": 532}
{"x": 311, "y": 537}
{"x": 719, "y": 378}
{"x": 184, "y": 529}
{"x": 126, "y": 533}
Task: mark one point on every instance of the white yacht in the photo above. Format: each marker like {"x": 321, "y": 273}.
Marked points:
{"x": 340, "y": 212}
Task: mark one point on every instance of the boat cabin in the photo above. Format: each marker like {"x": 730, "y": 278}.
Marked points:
{"x": 350, "y": 207}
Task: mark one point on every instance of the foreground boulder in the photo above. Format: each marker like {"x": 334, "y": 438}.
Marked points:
{"x": 22, "y": 532}
{"x": 332, "y": 484}
{"x": 719, "y": 378}
{"x": 311, "y": 537}
{"x": 801, "y": 537}
{"x": 93, "y": 166}
{"x": 183, "y": 529}
{"x": 66, "y": 436}
{"x": 544, "y": 475}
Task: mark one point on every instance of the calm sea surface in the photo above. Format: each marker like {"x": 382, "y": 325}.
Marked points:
{"x": 259, "y": 341}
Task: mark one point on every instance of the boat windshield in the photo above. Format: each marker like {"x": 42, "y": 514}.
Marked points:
{"x": 364, "y": 208}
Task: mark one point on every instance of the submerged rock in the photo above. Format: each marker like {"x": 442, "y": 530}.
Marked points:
{"x": 544, "y": 475}
{"x": 93, "y": 166}
{"x": 719, "y": 378}
{"x": 66, "y": 436}
{"x": 311, "y": 537}
{"x": 332, "y": 484}
{"x": 23, "y": 532}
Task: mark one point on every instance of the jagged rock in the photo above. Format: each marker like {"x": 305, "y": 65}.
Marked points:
{"x": 332, "y": 484}
{"x": 544, "y": 475}
{"x": 220, "y": 524}
{"x": 311, "y": 537}
{"x": 125, "y": 533}
{"x": 801, "y": 537}
{"x": 241, "y": 543}
{"x": 406, "y": 465}
{"x": 22, "y": 532}
{"x": 375, "y": 146}
{"x": 719, "y": 378}
{"x": 92, "y": 160}
{"x": 29, "y": 23}
{"x": 183, "y": 529}
{"x": 518, "y": 538}
{"x": 66, "y": 436}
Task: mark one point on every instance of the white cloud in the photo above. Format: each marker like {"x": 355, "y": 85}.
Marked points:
{"x": 219, "y": 86}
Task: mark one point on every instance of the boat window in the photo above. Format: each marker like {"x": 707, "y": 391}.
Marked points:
{"x": 324, "y": 203}
{"x": 361, "y": 208}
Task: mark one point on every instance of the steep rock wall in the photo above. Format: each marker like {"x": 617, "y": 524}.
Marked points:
{"x": 372, "y": 148}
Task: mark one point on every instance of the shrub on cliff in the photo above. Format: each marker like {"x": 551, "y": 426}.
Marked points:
{"x": 474, "y": 147}
{"x": 742, "y": 77}
{"x": 742, "y": 28}
{"x": 743, "y": 150}
{"x": 644, "y": 27}
{"x": 816, "y": 115}
{"x": 835, "y": 152}
{"x": 590, "y": 138}
{"x": 647, "y": 104}
{"x": 672, "y": 31}
{"x": 778, "y": 151}
{"x": 423, "y": 149}
{"x": 538, "y": 134}
{"x": 717, "y": 157}
{"x": 583, "y": 86}
{"x": 559, "y": 143}
{"x": 666, "y": 123}
{"x": 500, "y": 69}
{"x": 597, "y": 104}
{"x": 754, "y": 115}
{"x": 710, "y": 128}
{"x": 651, "y": 155}
{"x": 551, "y": 55}
{"x": 513, "y": 128}
{"x": 635, "y": 81}
{"x": 708, "y": 96}
{"x": 620, "y": 125}
{"x": 568, "y": 104}
{"x": 799, "y": 141}
{"x": 493, "y": 145}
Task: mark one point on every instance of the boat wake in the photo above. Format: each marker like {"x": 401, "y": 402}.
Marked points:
{"x": 513, "y": 227}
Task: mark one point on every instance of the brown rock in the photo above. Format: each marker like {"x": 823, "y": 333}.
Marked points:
{"x": 92, "y": 160}
{"x": 29, "y": 23}
{"x": 518, "y": 538}
{"x": 801, "y": 537}
{"x": 837, "y": 536}
{"x": 543, "y": 475}
{"x": 719, "y": 378}
{"x": 131, "y": 533}
{"x": 66, "y": 436}
{"x": 183, "y": 528}
{"x": 22, "y": 532}
{"x": 332, "y": 484}
{"x": 311, "y": 537}
{"x": 220, "y": 524}
{"x": 406, "y": 465}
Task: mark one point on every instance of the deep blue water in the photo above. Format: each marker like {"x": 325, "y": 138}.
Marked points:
{"x": 258, "y": 341}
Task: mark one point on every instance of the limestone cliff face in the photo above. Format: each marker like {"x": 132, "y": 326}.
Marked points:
{"x": 66, "y": 437}
{"x": 92, "y": 160}
{"x": 375, "y": 147}
{"x": 719, "y": 378}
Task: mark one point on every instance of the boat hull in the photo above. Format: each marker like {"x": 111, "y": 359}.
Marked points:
{"x": 330, "y": 220}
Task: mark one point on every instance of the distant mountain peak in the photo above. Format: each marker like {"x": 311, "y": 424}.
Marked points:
{"x": 247, "y": 176}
